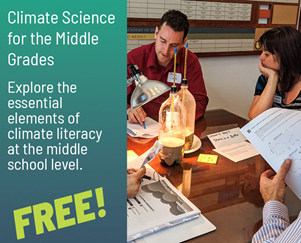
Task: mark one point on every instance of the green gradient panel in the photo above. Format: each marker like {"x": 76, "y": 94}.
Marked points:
{"x": 99, "y": 73}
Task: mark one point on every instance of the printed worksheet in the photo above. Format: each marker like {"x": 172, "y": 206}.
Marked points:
{"x": 276, "y": 135}
{"x": 155, "y": 199}
{"x": 150, "y": 130}
{"x": 158, "y": 205}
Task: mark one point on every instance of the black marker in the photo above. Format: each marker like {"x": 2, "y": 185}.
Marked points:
{"x": 144, "y": 177}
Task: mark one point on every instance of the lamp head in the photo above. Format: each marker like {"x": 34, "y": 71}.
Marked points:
{"x": 145, "y": 90}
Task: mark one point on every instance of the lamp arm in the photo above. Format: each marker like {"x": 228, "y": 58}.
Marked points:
{"x": 130, "y": 81}
{"x": 137, "y": 76}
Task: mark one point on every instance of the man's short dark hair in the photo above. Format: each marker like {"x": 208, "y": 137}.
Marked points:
{"x": 176, "y": 20}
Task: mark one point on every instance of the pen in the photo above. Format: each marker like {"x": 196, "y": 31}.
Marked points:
{"x": 144, "y": 125}
{"x": 144, "y": 177}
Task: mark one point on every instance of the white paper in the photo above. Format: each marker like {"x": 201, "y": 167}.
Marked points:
{"x": 238, "y": 151}
{"x": 152, "y": 153}
{"x": 140, "y": 161}
{"x": 157, "y": 206}
{"x": 232, "y": 144}
{"x": 264, "y": 6}
{"x": 262, "y": 20}
{"x": 181, "y": 232}
{"x": 136, "y": 130}
{"x": 226, "y": 138}
{"x": 276, "y": 135}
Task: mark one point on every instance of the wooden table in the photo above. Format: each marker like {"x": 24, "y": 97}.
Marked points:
{"x": 214, "y": 188}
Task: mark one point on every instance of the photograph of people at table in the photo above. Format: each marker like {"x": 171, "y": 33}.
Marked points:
{"x": 208, "y": 155}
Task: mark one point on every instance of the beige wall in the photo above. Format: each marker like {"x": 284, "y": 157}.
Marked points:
{"x": 230, "y": 82}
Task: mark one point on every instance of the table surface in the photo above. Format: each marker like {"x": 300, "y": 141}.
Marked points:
{"x": 215, "y": 189}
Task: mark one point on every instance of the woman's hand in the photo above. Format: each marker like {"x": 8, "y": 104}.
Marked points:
{"x": 265, "y": 101}
{"x": 269, "y": 73}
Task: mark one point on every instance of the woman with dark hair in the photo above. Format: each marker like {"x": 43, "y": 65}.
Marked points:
{"x": 279, "y": 84}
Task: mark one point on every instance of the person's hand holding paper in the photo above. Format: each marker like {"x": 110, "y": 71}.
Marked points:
{"x": 134, "y": 180}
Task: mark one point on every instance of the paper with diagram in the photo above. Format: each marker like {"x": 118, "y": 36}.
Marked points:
{"x": 157, "y": 206}
{"x": 276, "y": 134}
{"x": 182, "y": 232}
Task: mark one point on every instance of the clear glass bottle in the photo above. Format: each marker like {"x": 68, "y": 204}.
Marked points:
{"x": 189, "y": 103}
{"x": 172, "y": 125}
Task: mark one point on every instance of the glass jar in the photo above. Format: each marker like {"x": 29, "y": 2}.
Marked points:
{"x": 189, "y": 103}
{"x": 172, "y": 125}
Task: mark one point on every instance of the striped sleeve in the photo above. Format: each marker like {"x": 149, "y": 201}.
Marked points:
{"x": 275, "y": 222}
{"x": 260, "y": 85}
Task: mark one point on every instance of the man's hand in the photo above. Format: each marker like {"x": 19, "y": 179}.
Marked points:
{"x": 273, "y": 187}
{"x": 137, "y": 115}
{"x": 133, "y": 181}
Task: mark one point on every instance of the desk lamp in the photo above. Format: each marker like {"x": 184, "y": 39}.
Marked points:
{"x": 145, "y": 90}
